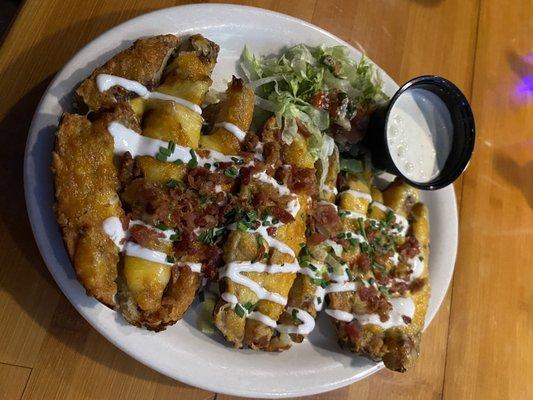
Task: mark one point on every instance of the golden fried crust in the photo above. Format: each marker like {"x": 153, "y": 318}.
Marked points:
{"x": 143, "y": 62}
{"x": 86, "y": 183}
{"x": 397, "y": 347}
{"x": 237, "y": 109}
{"x": 177, "y": 298}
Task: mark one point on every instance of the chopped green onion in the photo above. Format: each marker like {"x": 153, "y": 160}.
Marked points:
{"x": 295, "y": 314}
{"x": 239, "y": 310}
{"x": 162, "y": 227}
{"x": 193, "y": 162}
{"x": 171, "y": 260}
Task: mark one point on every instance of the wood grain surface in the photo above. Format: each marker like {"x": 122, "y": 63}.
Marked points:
{"x": 480, "y": 345}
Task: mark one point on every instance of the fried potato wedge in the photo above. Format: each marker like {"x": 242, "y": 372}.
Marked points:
{"x": 143, "y": 62}
{"x": 236, "y": 109}
{"x": 86, "y": 185}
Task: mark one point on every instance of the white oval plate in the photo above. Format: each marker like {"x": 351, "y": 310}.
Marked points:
{"x": 182, "y": 351}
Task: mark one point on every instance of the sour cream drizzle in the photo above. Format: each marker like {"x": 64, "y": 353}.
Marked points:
{"x": 233, "y": 129}
{"x": 112, "y": 227}
{"x": 401, "y": 306}
{"x": 138, "y": 145}
{"x": 105, "y": 82}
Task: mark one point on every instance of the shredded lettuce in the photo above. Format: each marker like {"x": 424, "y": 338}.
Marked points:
{"x": 285, "y": 85}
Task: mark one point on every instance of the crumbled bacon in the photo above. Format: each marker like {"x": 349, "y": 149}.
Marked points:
{"x": 325, "y": 219}
{"x": 283, "y": 215}
{"x": 410, "y": 248}
{"x": 271, "y": 230}
{"x": 212, "y": 260}
{"x": 303, "y": 180}
{"x": 363, "y": 262}
{"x": 406, "y": 319}
{"x": 320, "y": 100}
{"x": 398, "y": 287}
{"x": 315, "y": 239}
{"x": 145, "y": 236}
{"x": 250, "y": 142}
{"x": 125, "y": 170}
{"x": 417, "y": 285}
{"x": 272, "y": 154}
{"x": 375, "y": 302}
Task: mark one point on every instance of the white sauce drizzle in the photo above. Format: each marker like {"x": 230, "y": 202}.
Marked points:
{"x": 340, "y": 315}
{"x": 112, "y": 227}
{"x": 417, "y": 266}
{"x": 307, "y": 325}
{"x": 401, "y": 306}
{"x": 105, "y": 82}
{"x": 233, "y": 129}
{"x": 234, "y": 269}
{"x": 138, "y": 145}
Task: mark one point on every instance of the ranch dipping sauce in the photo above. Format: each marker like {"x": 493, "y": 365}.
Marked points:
{"x": 425, "y": 133}
{"x": 419, "y": 134}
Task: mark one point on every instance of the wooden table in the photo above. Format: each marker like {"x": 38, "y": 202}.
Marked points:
{"x": 480, "y": 345}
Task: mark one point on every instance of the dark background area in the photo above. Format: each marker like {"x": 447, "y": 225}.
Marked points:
{"x": 8, "y": 10}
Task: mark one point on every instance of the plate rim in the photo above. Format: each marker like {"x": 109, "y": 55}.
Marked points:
{"x": 32, "y": 209}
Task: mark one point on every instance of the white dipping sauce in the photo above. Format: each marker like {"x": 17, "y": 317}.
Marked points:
{"x": 419, "y": 134}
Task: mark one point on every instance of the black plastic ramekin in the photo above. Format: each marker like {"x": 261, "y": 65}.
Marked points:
{"x": 463, "y": 132}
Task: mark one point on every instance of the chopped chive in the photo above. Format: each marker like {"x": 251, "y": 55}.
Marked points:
{"x": 239, "y": 310}
{"x": 241, "y": 226}
{"x": 178, "y": 162}
{"x": 295, "y": 314}
{"x": 164, "y": 151}
{"x": 172, "y": 183}
{"x": 207, "y": 165}
{"x": 312, "y": 267}
{"x": 201, "y": 296}
{"x": 171, "y": 260}
{"x": 231, "y": 172}
{"x": 319, "y": 300}
{"x": 171, "y": 146}
{"x": 162, "y": 227}
{"x": 193, "y": 162}
{"x": 161, "y": 157}
{"x": 249, "y": 306}
{"x": 175, "y": 237}
{"x": 275, "y": 221}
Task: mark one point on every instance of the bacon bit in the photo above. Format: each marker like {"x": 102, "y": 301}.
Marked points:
{"x": 272, "y": 154}
{"x": 246, "y": 175}
{"x": 303, "y": 180}
{"x": 250, "y": 142}
{"x": 271, "y": 230}
{"x": 363, "y": 262}
{"x": 203, "y": 153}
{"x": 320, "y": 100}
{"x": 212, "y": 260}
{"x": 406, "y": 319}
{"x": 365, "y": 293}
{"x": 145, "y": 236}
{"x": 417, "y": 285}
{"x": 325, "y": 216}
{"x": 283, "y": 215}
{"x": 125, "y": 220}
{"x": 353, "y": 330}
{"x": 125, "y": 170}
{"x": 375, "y": 302}
{"x": 398, "y": 287}
{"x": 410, "y": 248}
{"x": 315, "y": 239}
